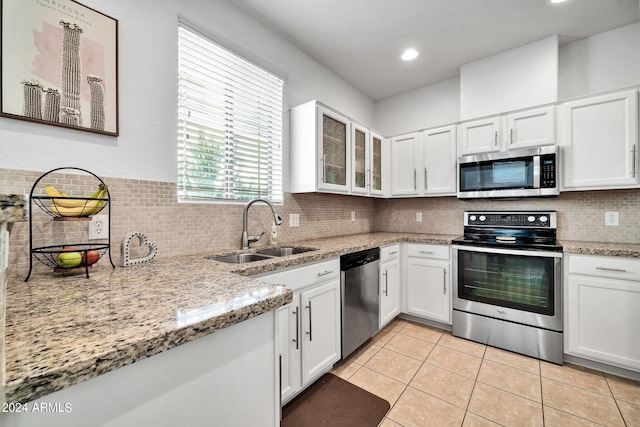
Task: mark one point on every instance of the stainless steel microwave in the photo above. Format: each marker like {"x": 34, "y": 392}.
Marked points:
{"x": 529, "y": 172}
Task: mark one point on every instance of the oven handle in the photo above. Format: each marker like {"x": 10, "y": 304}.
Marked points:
{"x": 522, "y": 252}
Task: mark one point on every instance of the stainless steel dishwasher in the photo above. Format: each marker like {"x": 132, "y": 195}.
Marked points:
{"x": 360, "y": 296}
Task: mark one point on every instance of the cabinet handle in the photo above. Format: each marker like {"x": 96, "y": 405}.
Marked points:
{"x": 367, "y": 176}
{"x": 325, "y": 273}
{"x": 633, "y": 170}
{"x": 445, "y": 281}
{"x": 425, "y": 178}
{"x": 617, "y": 270}
{"x": 415, "y": 179}
{"x": 324, "y": 168}
{"x": 297, "y": 340}
{"x": 393, "y": 253}
{"x": 310, "y": 329}
{"x": 426, "y": 252}
{"x": 280, "y": 382}
{"x": 495, "y": 139}
{"x": 386, "y": 283}
{"x": 511, "y": 135}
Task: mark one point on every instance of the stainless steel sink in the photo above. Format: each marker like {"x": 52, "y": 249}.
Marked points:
{"x": 240, "y": 258}
{"x": 284, "y": 251}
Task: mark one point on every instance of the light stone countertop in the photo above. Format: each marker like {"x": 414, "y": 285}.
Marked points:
{"x": 629, "y": 250}
{"x": 63, "y": 330}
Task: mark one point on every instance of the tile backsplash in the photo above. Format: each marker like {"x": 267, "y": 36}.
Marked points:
{"x": 580, "y": 214}
{"x": 151, "y": 207}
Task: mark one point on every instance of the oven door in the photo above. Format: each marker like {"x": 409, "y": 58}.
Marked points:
{"x": 514, "y": 285}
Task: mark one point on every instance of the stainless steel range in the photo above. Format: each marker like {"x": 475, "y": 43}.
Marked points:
{"x": 507, "y": 282}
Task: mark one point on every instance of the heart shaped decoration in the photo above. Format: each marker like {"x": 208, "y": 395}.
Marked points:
{"x": 143, "y": 240}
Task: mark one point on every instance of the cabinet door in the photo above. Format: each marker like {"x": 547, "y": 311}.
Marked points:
{"x": 439, "y": 161}
{"x": 404, "y": 165}
{"x": 390, "y": 301}
{"x": 320, "y": 329}
{"x": 600, "y": 142}
{"x": 376, "y": 174}
{"x": 602, "y": 320}
{"x": 428, "y": 289}
{"x": 531, "y": 128}
{"x": 480, "y": 136}
{"x": 360, "y": 168}
{"x": 288, "y": 347}
{"x": 333, "y": 151}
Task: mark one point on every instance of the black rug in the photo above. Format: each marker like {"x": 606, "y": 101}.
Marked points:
{"x": 332, "y": 401}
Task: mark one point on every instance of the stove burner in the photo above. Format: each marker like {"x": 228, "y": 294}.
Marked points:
{"x": 533, "y": 230}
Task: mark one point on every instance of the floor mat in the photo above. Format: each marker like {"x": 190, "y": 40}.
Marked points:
{"x": 332, "y": 401}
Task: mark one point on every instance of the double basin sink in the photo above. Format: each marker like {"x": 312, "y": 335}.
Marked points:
{"x": 261, "y": 254}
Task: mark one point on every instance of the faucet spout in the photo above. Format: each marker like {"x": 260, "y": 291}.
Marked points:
{"x": 246, "y": 239}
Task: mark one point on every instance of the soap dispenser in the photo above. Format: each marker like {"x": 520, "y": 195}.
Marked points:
{"x": 274, "y": 235}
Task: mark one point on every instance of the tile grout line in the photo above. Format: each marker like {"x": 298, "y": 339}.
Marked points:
{"x": 606, "y": 380}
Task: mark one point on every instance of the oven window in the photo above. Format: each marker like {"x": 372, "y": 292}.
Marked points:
{"x": 514, "y": 281}
{"x": 496, "y": 175}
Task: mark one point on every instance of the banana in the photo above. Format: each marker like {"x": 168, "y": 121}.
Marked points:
{"x": 87, "y": 207}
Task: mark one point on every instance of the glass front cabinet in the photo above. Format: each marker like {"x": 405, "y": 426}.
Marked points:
{"x": 329, "y": 153}
{"x": 366, "y": 168}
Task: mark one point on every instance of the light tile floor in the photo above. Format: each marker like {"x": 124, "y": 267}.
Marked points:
{"x": 432, "y": 378}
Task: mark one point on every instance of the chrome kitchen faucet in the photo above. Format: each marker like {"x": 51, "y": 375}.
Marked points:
{"x": 246, "y": 238}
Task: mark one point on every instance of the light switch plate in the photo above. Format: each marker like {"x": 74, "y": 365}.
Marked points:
{"x": 418, "y": 216}
{"x": 294, "y": 220}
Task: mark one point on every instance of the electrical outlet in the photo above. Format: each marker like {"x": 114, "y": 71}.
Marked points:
{"x": 353, "y": 215}
{"x": 294, "y": 220}
{"x": 418, "y": 216}
{"x": 612, "y": 219}
{"x": 99, "y": 227}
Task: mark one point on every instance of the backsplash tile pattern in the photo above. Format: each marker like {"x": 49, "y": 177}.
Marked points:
{"x": 580, "y": 214}
{"x": 151, "y": 207}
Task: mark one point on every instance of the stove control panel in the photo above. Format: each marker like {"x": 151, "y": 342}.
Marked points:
{"x": 520, "y": 219}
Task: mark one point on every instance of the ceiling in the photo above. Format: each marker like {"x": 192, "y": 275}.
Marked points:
{"x": 362, "y": 40}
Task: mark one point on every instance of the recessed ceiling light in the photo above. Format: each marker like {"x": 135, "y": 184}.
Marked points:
{"x": 409, "y": 54}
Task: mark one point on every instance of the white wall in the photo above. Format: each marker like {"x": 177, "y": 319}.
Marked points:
{"x": 422, "y": 108}
{"x": 146, "y": 147}
{"x": 599, "y": 63}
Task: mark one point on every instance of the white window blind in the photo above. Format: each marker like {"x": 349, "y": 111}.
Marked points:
{"x": 229, "y": 124}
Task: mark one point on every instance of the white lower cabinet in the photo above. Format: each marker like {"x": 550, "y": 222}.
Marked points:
{"x": 390, "y": 284}
{"x": 603, "y": 310}
{"x": 307, "y": 330}
{"x": 428, "y": 282}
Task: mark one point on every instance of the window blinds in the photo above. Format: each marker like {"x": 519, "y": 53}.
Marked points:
{"x": 229, "y": 124}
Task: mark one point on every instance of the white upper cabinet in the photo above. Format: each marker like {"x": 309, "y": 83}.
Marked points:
{"x": 479, "y": 136}
{"x": 600, "y": 142}
{"x": 404, "y": 165}
{"x": 366, "y": 154}
{"x": 530, "y": 128}
{"x": 320, "y": 150}
{"x": 438, "y": 147}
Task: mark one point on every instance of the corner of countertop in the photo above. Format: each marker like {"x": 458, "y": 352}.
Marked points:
{"x": 13, "y": 207}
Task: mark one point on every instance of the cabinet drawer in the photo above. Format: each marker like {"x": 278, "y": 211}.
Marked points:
{"x": 388, "y": 253}
{"x": 428, "y": 251}
{"x": 306, "y": 275}
{"x": 613, "y": 267}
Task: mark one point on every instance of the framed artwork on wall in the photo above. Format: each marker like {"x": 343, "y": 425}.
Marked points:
{"x": 59, "y": 65}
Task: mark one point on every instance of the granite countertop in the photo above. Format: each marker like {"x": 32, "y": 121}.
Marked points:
{"x": 61, "y": 331}
{"x": 630, "y": 250}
